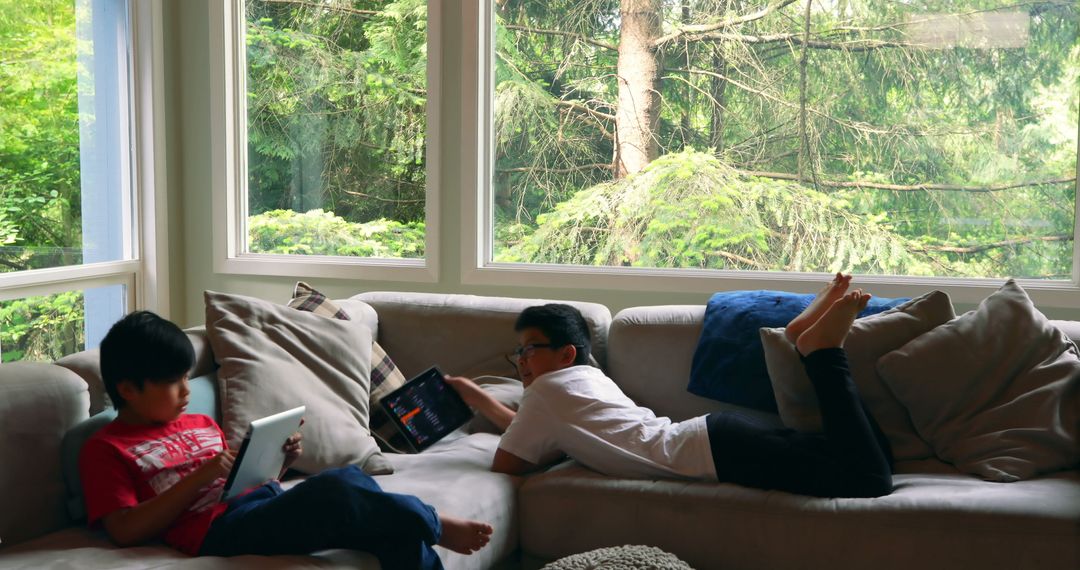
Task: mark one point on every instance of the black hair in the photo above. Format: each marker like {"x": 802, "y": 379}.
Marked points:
{"x": 561, "y": 324}
{"x": 143, "y": 347}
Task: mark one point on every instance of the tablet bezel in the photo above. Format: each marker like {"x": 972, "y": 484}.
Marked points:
{"x": 272, "y": 425}
{"x": 431, "y": 374}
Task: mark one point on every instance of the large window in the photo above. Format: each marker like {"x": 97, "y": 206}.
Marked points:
{"x": 70, "y": 251}
{"x": 925, "y": 138}
{"x": 334, "y": 116}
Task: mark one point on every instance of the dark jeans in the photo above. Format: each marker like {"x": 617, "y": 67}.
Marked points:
{"x": 851, "y": 458}
{"x": 338, "y": 508}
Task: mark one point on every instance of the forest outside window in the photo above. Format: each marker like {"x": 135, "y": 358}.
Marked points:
{"x": 68, "y": 246}
{"x": 336, "y": 125}
{"x": 927, "y": 138}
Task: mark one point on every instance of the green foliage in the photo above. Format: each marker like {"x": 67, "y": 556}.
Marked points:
{"x": 895, "y": 114}
{"x": 689, "y": 210}
{"x": 322, "y": 233}
{"x": 42, "y": 328}
{"x": 337, "y": 108}
{"x": 39, "y": 134}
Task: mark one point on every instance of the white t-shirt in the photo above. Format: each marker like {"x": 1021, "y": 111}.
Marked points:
{"x": 580, "y": 412}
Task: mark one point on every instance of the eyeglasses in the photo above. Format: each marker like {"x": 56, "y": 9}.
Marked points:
{"x": 529, "y": 349}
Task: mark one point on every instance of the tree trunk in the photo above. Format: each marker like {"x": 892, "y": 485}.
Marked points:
{"x": 638, "y": 115}
{"x": 717, "y": 88}
{"x": 804, "y": 137}
{"x": 687, "y": 61}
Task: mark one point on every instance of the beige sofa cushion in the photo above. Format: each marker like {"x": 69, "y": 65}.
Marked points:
{"x": 996, "y": 391}
{"x": 936, "y": 519}
{"x": 452, "y": 476}
{"x": 38, "y": 404}
{"x": 650, "y": 351}
{"x": 78, "y": 548}
{"x": 87, "y": 364}
{"x": 870, "y": 338}
{"x": 274, "y": 358}
{"x": 465, "y": 335}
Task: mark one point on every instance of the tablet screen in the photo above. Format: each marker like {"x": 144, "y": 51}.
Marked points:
{"x": 426, "y": 408}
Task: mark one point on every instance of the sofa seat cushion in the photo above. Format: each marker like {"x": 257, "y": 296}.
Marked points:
{"x": 77, "y": 548}
{"x": 452, "y": 475}
{"x": 939, "y": 519}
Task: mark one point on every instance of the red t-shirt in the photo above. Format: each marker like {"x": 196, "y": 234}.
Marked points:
{"x": 123, "y": 465}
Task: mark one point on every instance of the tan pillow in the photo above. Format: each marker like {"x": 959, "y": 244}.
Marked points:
{"x": 385, "y": 375}
{"x": 996, "y": 392}
{"x": 870, "y": 338}
{"x": 274, "y": 358}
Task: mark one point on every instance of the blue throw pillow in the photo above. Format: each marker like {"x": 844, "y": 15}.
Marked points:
{"x": 729, "y": 362}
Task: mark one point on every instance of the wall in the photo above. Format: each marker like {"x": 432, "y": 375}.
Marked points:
{"x": 187, "y": 79}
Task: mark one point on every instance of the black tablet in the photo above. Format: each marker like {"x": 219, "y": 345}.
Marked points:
{"x": 426, "y": 408}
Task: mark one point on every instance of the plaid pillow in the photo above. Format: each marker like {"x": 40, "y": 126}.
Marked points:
{"x": 385, "y": 376}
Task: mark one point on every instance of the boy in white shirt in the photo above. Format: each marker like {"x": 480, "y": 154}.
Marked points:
{"x": 572, "y": 409}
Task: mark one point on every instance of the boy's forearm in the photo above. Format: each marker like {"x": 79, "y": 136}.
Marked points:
{"x": 495, "y": 412}
{"x": 150, "y": 518}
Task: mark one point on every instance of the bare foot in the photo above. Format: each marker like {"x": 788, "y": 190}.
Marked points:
{"x": 828, "y": 295}
{"x": 832, "y": 328}
{"x": 464, "y": 536}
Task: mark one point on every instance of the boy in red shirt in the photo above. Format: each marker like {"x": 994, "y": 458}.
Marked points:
{"x": 155, "y": 472}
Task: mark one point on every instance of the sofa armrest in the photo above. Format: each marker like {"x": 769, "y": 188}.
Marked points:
{"x": 39, "y": 402}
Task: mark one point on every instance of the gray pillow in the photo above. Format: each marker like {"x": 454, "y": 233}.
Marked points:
{"x": 274, "y": 358}
{"x": 996, "y": 392}
{"x": 870, "y": 338}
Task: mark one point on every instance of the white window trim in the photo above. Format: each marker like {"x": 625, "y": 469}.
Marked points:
{"x": 477, "y": 269}
{"x": 151, "y": 286}
{"x": 229, "y": 168}
{"x": 146, "y": 277}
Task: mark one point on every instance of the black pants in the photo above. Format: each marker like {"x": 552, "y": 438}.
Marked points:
{"x": 851, "y": 458}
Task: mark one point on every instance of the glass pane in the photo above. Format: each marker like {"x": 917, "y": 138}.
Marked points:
{"x": 64, "y": 165}
{"x": 933, "y": 138}
{"x": 336, "y": 97}
{"x": 48, "y": 327}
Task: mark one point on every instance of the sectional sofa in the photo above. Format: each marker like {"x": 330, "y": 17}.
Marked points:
{"x": 935, "y": 518}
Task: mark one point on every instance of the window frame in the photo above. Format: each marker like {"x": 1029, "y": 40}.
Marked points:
{"x": 229, "y": 168}
{"x": 146, "y": 275}
{"x": 477, "y": 267}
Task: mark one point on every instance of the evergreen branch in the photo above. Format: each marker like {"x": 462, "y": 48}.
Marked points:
{"x": 860, "y": 127}
{"x": 705, "y": 28}
{"x": 13, "y": 265}
{"x": 380, "y": 199}
{"x": 739, "y": 259}
{"x": 999, "y": 244}
{"x": 598, "y": 116}
{"x": 330, "y": 7}
{"x": 584, "y": 109}
{"x": 796, "y": 39}
{"x": 577, "y": 37}
{"x": 568, "y": 170}
{"x": 912, "y": 187}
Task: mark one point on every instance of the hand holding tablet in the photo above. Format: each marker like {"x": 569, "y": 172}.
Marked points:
{"x": 262, "y": 454}
{"x": 426, "y": 409}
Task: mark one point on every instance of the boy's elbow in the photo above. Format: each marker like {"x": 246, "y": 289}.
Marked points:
{"x": 124, "y": 541}
{"x": 510, "y": 464}
{"x": 118, "y": 532}
{"x": 506, "y": 469}
{"x": 121, "y": 539}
